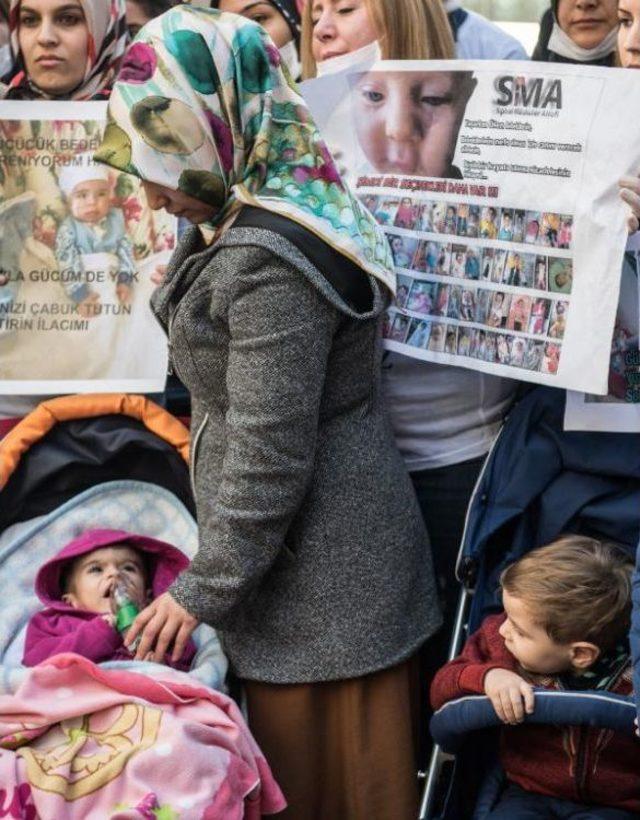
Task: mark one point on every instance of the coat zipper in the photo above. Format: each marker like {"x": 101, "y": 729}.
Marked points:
{"x": 194, "y": 453}
{"x": 170, "y": 366}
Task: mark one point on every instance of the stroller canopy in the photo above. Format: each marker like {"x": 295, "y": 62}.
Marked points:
{"x": 75, "y": 442}
{"x": 541, "y": 481}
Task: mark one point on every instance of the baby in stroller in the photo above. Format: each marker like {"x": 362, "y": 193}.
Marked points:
{"x": 78, "y": 585}
{"x": 565, "y": 626}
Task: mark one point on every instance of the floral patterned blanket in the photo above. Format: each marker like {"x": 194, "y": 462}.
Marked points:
{"x": 80, "y": 741}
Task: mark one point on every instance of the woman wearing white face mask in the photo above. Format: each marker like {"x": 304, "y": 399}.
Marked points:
{"x": 578, "y": 31}
{"x": 444, "y": 418}
{"x": 403, "y": 29}
{"x": 280, "y": 19}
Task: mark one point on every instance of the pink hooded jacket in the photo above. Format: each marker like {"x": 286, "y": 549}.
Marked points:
{"x": 62, "y": 628}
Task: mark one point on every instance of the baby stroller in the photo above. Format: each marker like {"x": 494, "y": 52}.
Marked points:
{"x": 537, "y": 482}
{"x": 81, "y": 462}
{"x": 84, "y": 740}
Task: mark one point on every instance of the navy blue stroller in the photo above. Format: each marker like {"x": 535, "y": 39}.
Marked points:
{"x": 538, "y": 482}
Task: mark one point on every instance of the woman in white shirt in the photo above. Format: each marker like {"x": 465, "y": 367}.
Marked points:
{"x": 444, "y": 418}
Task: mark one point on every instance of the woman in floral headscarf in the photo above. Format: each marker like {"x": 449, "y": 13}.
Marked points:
{"x": 313, "y": 560}
{"x": 65, "y": 49}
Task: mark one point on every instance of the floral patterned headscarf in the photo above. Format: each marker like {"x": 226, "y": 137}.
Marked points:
{"x": 107, "y": 25}
{"x": 203, "y": 106}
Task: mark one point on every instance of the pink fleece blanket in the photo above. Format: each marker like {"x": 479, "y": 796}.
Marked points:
{"x": 78, "y": 741}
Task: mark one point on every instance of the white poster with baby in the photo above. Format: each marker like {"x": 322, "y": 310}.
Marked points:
{"x": 496, "y": 184}
{"x": 80, "y": 254}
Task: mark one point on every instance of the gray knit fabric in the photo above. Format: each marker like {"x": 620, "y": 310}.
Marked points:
{"x": 313, "y": 559}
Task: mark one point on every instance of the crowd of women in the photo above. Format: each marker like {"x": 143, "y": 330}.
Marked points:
{"x": 319, "y": 469}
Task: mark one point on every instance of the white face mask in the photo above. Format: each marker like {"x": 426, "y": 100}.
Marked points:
{"x": 289, "y": 55}
{"x": 362, "y": 58}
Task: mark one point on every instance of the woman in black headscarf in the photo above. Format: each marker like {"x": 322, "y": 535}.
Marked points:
{"x": 280, "y": 18}
{"x": 578, "y": 31}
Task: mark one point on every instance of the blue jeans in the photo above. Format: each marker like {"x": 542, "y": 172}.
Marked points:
{"x": 518, "y": 804}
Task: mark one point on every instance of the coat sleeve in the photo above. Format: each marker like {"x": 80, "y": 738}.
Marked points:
{"x": 49, "y": 634}
{"x": 485, "y": 650}
{"x": 280, "y": 336}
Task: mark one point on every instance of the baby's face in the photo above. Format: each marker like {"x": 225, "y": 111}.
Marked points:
{"x": 94, "y": 575}
{"x": 90, "y": 201}
{"x": 407, "y": 122}
{"x": 528, "y": 641}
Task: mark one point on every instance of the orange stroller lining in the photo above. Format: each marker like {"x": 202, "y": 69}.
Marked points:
{"x": 66, "y": 408}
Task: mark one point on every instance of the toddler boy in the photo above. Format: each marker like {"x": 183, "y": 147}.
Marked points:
{"x": 77, "y": 587}
{"x": 565, "y": 626}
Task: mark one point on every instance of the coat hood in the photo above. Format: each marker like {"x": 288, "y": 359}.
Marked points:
{"x": 165, "y": 561}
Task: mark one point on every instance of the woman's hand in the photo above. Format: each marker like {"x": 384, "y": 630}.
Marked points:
{"x": 162, "y": 624}
{"x": 630, "y": 193}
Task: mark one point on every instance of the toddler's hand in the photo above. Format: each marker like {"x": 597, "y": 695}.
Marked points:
{"x": 630, "y": 193}
{"x": 109, "y": 618}
{"x": 510, "y": 695}
{"x": 89, "y": 307}
{"x": 124, "y": 292}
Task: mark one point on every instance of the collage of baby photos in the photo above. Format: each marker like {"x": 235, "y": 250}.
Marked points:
{"x": 544, "y": 229}
{"x": 476, "y": 343}
{"x": 515, "y": 328}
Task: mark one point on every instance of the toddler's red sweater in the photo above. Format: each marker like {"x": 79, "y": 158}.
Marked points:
{"x": 583, "y": 764}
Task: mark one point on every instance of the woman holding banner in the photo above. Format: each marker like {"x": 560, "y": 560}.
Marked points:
{"x": 402, "y": 29}
{"x": 69, "y": 51}
{"x": 65, "y": 50}
{"x": 444, "y": 418}
{"x": 313, "y": 557}
{"x": 60, "y": 50}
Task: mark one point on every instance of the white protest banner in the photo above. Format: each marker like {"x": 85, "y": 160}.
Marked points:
{"x": 496, "y": 183}
{"x": 78, "y": 248}
{"x": 619, "y": 410}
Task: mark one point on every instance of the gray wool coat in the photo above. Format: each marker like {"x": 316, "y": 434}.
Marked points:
{"x": 313, "y": 560}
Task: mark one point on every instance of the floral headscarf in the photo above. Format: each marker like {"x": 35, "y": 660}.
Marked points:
{"x": 202, "y": 106}
{"x": 107, "y": 25}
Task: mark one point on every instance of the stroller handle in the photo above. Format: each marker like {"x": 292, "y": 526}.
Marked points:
{"x": 453, "y": 721}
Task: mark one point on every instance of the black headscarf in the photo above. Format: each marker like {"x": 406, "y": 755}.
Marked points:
{"x": 544, "y": 54}
{"x": 287, "y": 8}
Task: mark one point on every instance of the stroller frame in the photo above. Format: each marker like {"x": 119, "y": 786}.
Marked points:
{"x": 535, "y": 424}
